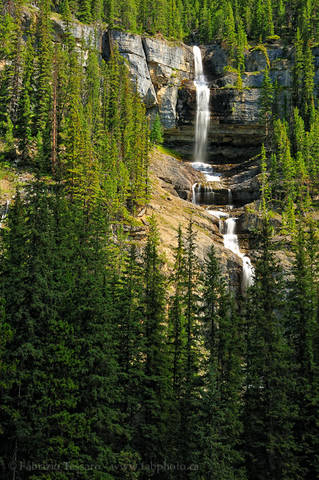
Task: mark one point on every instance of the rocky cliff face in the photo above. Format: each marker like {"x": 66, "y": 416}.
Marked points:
{"x": 158, "y": 67}
{"x": 164, "y": 72}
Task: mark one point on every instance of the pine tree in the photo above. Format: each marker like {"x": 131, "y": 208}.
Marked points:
{"x": 25, "y": 113}
{"x": 189, "y": 399}
{"x": 269, "y": 411}
{"x": 59, "y": 404}
{"x": 308, "y": 86}
{"x": 85, "y": 11}
{"x": 267, "y": 100}
{"x": 298, "y": 71}
{"x": 131, "y": 343}
{"x": 303, "y": 332}
{"x": 157, "y": 131}
{"x": 43, "y": 85}
{"x": 220, "y": 411}
{"x": 265, "y": 186}
{"x": 229, "y": 30}
{"x": 153, "y": 421}
{"x": 177, "y": 345}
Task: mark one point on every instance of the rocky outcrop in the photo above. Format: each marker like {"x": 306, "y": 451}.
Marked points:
{"x": 172, "y": 211}
{"x": 175, "y": 176}
{"x": 86, "y": 36}
{"x": 131, "y": 48}
{"x": 164, "y": 72}
{"x": 159, "y": 68}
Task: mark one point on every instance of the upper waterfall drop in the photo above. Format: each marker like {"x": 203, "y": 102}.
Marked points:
{"x": 202, "y": 111}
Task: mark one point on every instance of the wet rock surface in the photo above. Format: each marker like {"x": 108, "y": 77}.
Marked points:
{"x": 171, "y": 211}
{"x": 174, "y": 175}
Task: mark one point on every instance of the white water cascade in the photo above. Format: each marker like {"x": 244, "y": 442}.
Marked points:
{"x": 201, "y": 126}
{"x": 202, "y": 112}
{"x": 4, "y": 213}
{"x": 231, "y": 242}
{"x": 228, "y": 226}
{"x": 194, "y": 193}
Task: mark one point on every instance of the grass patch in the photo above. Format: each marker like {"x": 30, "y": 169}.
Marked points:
{"x": 7, "y": 179}
{"x": 169, "y": 151}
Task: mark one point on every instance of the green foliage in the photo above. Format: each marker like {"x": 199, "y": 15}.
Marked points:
{"x": 269, "y": 408}
{"x": 156, "y": 136}
{"x": 203, "y": 20}
{"x": 220, "y": 412}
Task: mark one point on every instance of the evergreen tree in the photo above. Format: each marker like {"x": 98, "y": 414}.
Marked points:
{"x": 177, "y": 349}
{"x": 303, "y": 333}
{"x": 43, "y": 85}
{"x": 221, "y": 396}
{"x": 59, "y": 404}
{"x": 157, "y": 131}
{"x": 265, "y": 186}
{"x": 131, "y": 344}
{"x": 152, "y": 427}
{"x": 269, "y": 444}
{"x": 266, "y": 100}
{"x": 189, "y": 401}
{"x": 25, "y": 118}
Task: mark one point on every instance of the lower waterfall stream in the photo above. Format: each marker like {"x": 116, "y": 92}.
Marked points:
{"x": 231, "y": 243}
{"x": 4, "y": 212}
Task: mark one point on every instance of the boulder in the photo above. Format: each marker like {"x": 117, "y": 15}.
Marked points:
{"x": 176, "y": 176}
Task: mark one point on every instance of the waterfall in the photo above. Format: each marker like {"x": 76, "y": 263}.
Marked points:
{"x": 248, "y": 273}
{"x": 206, "y": 192}
{"x": 230, "y": 199}
{"x": 194, "y": 194}
{"x": 4, "y": 213}
{"x": 231, "y": 243}
{"x": 202, "y": 108}
{"x": 202, "y": 120}
{"x": 230, "y": 237}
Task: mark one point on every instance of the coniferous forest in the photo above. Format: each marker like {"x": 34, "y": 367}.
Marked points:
{"x": 115, "y": 365}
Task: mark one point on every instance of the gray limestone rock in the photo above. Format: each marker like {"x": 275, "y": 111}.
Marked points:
{"x": 83, "y": 34}
{"x": 167, "y": 98}
{"x": 253, "y": 80}
{"x": 173, "y": 56}
{"x": 255, "y": 61}
{"x": 245, "y": 107}
{"x": 131, "y": 48}
{"x": 127, "y": 42}
{"x": 215, "y": 60}
{"x": 283, "y": 77}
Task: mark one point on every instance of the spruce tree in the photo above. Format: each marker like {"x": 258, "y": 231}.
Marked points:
{"x": 303, "y": 334}
{"x": 191, "y": 374}
{"x": 157, "y": 131}
{"x": 152, "y": 427}
{"x": 220, "y": 412}
{"x": 269, "y": 412}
